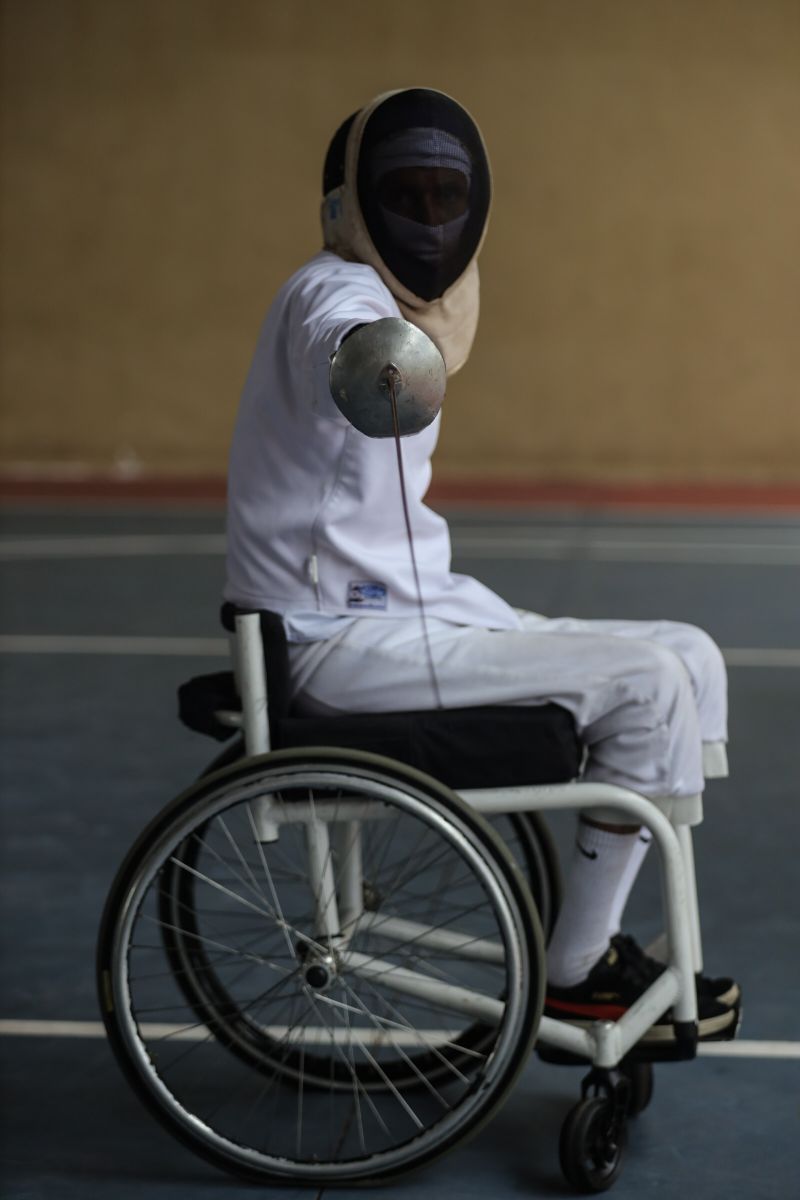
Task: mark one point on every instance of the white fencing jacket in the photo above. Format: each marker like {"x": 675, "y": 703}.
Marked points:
{"x": 315, "y": 519}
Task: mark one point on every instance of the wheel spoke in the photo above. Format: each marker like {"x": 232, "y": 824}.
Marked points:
{"x": 206, "y": 941}
{"x": 399, "y": 1049}
{"x": 270, "y": 881}
{"x": 434, "y": 1047}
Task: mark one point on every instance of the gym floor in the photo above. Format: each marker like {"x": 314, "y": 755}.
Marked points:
{"x": 105, "y": 611}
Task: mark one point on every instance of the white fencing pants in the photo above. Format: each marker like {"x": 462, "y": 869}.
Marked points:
{"x": 649, "y": 698}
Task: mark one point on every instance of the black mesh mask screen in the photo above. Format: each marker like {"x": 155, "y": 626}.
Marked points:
{"x": 424, "y": 188}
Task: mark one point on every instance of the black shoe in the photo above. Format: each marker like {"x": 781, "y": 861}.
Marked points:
{"x": 614, "y": 984}
{"x": 723, "y": 990}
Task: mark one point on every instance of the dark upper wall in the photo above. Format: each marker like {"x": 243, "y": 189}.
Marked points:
{"x": 641, "y": 279}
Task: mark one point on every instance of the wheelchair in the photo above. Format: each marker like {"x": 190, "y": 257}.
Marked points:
{"x": 324, "y": 962}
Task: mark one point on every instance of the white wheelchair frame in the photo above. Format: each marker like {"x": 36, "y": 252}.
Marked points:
{"x": 606, "y": 1043}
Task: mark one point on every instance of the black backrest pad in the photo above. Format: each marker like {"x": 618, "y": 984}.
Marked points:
{"x": 462, "y": 747}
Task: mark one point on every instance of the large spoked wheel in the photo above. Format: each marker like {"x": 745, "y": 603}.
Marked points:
{"x": 524, "y": 835}
{"x": 206, "y": 991}
{"x": 357, "y": 952}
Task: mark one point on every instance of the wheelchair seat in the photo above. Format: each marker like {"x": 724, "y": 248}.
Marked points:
{"x": 487, "y": 746}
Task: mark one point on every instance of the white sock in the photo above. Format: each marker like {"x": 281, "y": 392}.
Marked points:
{"x": 644, "y": 840}
{"x": 597, "y": 877}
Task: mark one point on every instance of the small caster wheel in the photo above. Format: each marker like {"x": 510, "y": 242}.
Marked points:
{"x": 640, "y": 1077}
{"x": 592, "y": 1145}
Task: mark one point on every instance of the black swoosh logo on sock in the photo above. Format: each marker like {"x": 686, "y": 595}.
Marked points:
{"x": 587, "y": 853}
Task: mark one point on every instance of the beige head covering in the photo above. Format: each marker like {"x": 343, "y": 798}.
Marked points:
{"x": 450, "y": 320}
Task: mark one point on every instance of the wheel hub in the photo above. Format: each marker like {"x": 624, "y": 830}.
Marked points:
{"x": 319, "y": 970}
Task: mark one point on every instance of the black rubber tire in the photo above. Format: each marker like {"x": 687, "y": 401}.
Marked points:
{"x": 640, "y": 1077}
{"x": 589, "y": 1161}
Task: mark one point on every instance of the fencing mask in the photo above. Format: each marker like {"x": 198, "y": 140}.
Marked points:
{"x": 407, "y": 190}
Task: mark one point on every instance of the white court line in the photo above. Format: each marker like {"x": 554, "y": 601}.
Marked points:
{"x": 590, "y": 544}
{"x": 310, "y": 1035}
{"x": 176, "y": 647}
{"x": 749, "y": 1049}
{"x": 180, "y": 647}
{"x": 589, "y": 549}
{"x": 745, "y": 657}
{"x": 740, "y": 1048}
{"x": 123, "y": 546}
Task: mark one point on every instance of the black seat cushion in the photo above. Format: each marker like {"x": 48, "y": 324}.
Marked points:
{"x": 462, "y": 747}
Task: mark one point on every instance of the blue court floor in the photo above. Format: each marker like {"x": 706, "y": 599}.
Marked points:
{"x": 105, "y": 612}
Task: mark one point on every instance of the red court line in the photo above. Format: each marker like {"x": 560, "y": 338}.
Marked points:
{"x": 466, "y": 491}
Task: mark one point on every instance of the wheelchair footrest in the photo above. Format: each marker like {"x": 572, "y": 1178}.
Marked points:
{"x": 641, "y": 1054}
{"x": 683, "y": 1048}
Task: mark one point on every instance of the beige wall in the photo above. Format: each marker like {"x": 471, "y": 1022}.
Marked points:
{"x": 641, "y": 279}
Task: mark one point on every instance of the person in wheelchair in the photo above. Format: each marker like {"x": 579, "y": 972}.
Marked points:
{"x": 317, "y": 533}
